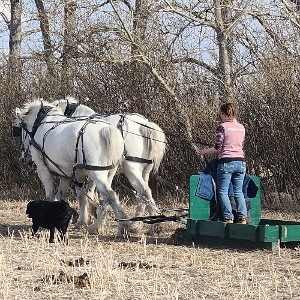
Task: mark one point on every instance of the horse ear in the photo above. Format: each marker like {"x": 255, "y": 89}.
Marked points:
{"x": 18, "y": 111}
{"x": 42, "y": 106}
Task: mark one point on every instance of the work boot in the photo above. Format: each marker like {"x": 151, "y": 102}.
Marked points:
{"x": 242, "y": 221}
{"x": 229, "y": 221}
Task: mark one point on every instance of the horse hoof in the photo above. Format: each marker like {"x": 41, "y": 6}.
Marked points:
{"x": 135, "y": 228}
{"x": 92, "y": 230}
{"x": 123, "y": 231}
{"x": 155, "y": 230}
{"x": 79, "y": 224}
{"x": 122, "y": 234}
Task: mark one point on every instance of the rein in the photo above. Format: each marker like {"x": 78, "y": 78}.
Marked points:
{"x": 167, "y": 133}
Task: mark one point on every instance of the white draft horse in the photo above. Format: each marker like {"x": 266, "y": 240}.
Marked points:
{"x": 73, "y": 149}
{"x": 145, "y": 145}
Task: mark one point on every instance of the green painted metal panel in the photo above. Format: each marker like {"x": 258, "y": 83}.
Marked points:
{"x": 191, "y": 226}
{"x": 199, "y": 209}
{"x": 211, "y": 228}
{"x": 242, "y": 232}
{"x": 268, "y": 233}
{"x": 255, "y": 211}
{"x": 289, "y": 233}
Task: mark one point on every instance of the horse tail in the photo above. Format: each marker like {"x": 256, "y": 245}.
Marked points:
{"x": 114, "y": 144}
{"x": 156, "y": 142}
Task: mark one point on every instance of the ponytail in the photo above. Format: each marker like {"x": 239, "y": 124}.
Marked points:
{"x": 229, "y": 110}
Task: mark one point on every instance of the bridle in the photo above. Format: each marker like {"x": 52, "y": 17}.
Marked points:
{"x": 22, "y": 131}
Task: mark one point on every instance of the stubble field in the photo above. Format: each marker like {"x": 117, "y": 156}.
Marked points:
{"x": 139, "y": 267}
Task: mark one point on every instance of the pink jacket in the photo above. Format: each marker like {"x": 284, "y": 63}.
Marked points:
{"x": 230, "y": 137}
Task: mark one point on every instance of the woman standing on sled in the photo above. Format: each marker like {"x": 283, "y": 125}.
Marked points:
{"x": 230, "y": 136}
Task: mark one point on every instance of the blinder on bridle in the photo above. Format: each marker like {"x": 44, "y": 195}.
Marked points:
{"x": 16, "y": 131}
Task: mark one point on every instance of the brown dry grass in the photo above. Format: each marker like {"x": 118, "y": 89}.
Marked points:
{"x": 140, "y": 267}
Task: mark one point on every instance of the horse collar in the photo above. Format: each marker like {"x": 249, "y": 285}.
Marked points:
{"x": 70, "y": 109}
{"x": 40, "y": 116}
{"x": 121, "y": 124}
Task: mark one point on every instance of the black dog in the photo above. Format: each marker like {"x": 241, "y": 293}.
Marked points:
{"x": 50, "y": 215}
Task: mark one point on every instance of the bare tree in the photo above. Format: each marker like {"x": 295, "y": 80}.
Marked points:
{"x": 140, "y": 20}
{"x": 45, "y": 30}
{"x": 15, "y": 36}
{"x": 69, "y": 48}
{"x": 218, "y": 16}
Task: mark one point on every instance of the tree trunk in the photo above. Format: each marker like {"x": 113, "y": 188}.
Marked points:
{"x": 15, "y": 64}
{"x": 140, "y": 19}
{"x": 137, "y": 69}
{"x": 44, "y": 25}
{"x": 68, "y": 63}
{"x": 222, "y": 14}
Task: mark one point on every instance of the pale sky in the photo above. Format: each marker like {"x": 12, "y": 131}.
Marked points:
{"x": 4, "y": 33}
{"x": 4, "y": 9}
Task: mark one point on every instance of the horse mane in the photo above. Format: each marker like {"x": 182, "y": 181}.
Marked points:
{"x": 62, "y": 103}
{"x": 71, "y": 99}
{"x": 68, "y": 99}
{"x": 138, "y": 115}
{"x": 32, "y": 104}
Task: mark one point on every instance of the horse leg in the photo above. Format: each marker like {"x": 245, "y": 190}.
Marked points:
{"x": 61, "y": 194}
{"x": 100, "y": 210}
{"x": 93, "y": 199}
{"x": 109, "y": 197}
{"x": 151, "y": 207}
{"x": 64, "y": 185}
{"x": 47, "y": 179}
{"x": 85, "y": 204}
{"x": 136, "y": 227}
{"x": 144, "y": 199}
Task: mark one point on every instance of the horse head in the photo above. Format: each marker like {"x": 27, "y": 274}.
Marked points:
{"x": 72, "y": 108}
{"x": 27, "y": 120}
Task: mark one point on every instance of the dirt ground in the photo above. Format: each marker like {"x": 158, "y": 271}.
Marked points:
{"x": 138, "y": 267}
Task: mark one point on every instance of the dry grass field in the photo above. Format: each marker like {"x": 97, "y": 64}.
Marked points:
{"x": 139, "y": 267}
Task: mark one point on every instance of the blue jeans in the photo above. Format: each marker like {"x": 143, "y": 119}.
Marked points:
{"x": 233, "y": 171}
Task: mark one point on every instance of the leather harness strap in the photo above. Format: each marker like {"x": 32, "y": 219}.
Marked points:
{"x": 44, "y": 110}
{"x": 129, "y": 157}
{"x": 84, "y": 164}
{"x": 70, "y": 109}
{"x": 138, "y": 159}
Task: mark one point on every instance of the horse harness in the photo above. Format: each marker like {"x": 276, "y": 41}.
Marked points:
{"x": 70, "y": 109}
{"x": 44, "y": 110}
